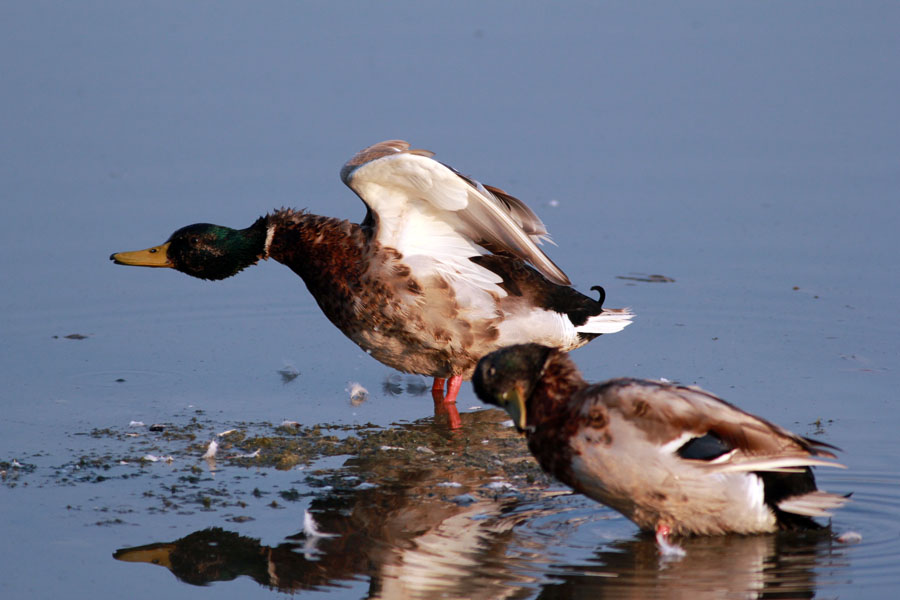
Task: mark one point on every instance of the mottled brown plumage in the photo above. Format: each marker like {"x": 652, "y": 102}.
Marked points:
{"x": 367, "y": 291}
{"x": 666, "y": 456}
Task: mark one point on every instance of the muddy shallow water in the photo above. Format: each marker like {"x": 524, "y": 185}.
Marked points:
{"x": 729, "y": 172}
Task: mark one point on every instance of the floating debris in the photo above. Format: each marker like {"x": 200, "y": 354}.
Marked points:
{"x": 136, "y": 424}
{"x": 289, "y": 423}
{"x": 499, "y": 485}
{"x": 240, "y": 519}
{"x": 819, "y": 425}
{"x": 298, "y": 452}
{"x": 253, "y": 454}
{"x": 311, "y": 528}
{"x": 157, "y": 427}
{"x": 72, "y": 336}
{"x": 646, "y": 278}
{"x": 226, "y": 432}
{"x": 211, "y": 449}
{"x": 358, "y": 394}
{"x": 849, "y": 537}
{"x": 288, "y": 373}
{"x": 154, "y": 458}
{"x": 668, "y": 550}
{"x": 313, "y": 535}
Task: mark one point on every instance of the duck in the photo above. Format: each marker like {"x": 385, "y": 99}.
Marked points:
{"x": 441, "y": 271}
{"x": 674, "y": 459}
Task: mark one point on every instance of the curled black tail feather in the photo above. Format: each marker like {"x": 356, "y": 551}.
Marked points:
{"x": 520, "y": 279}
{"x": 602, "y": 293}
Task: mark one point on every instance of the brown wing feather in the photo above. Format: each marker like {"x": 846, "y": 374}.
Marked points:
{"x": 376, "y": 151}
{"x": 524, "y": 216}
{"x": 665, "y": 412}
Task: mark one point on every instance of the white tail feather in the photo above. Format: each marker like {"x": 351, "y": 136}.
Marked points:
{"x": 813, "y": 504}
{"x": 783, "y": 464}
{"x": 609, "y": 321}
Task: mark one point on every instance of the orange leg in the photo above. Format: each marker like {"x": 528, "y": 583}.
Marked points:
{"x": 453, "y": 386}
{"x": 445, "y": 406}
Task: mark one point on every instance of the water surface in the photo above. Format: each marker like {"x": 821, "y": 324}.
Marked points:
{"x": 750, "y": 153}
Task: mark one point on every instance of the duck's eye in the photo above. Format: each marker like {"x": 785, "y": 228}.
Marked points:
{"x": 195, "y": 240}
{"x": 492, "y": 371}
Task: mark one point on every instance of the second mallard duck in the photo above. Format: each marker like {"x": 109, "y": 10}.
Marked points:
{"x": 671, "y": 458}
{"x": 434, "y": 278}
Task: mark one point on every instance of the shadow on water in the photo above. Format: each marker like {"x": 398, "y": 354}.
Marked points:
{"x": 473, "y": 517}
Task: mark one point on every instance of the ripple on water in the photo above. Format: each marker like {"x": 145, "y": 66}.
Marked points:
{"x": 874, "y": 513}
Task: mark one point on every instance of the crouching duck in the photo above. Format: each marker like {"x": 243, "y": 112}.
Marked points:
{"x": 441, "y": 271}
{"x": 673, "y": 459}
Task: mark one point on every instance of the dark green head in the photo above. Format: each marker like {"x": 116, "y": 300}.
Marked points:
{"x": 203, "y": 250}
{"x": 507, "y": 377}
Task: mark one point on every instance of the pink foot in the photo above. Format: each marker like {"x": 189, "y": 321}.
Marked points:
{"x": 666, "y": 548}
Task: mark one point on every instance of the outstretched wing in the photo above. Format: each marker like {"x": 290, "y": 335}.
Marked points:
{"x": 422, "y": 207}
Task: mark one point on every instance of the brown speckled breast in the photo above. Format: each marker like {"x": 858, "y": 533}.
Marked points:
{"x": 371, "y": 295}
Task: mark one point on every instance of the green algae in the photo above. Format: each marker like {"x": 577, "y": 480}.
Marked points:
{"x": 264, "y": 466}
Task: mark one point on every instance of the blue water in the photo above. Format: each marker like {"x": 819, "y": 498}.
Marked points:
{"x": 750, "y": 152}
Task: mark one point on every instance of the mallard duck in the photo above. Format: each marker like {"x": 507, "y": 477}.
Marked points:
{"x": 441, "y": 271}
{"x": 673, "y": 459}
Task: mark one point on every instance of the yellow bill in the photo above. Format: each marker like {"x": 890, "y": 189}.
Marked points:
{"x": 514, "y": 403}
{"x": 157, "y": 256}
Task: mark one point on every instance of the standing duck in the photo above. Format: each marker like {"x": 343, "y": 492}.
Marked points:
{"x": 673, "y": 459}
{"x": 441, "y": 271}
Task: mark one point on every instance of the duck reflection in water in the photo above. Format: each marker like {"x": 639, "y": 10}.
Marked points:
{"x": 779, "y": 565}
{"x": 428, "y": 527}
{"x": 432, "y": 528}
{"x": 774, "y": 565}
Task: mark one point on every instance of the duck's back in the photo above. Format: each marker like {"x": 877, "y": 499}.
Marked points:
{"x": 660, "y": 453}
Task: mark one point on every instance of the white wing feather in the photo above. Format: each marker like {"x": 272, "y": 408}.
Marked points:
{"x": 424, "y": 208}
